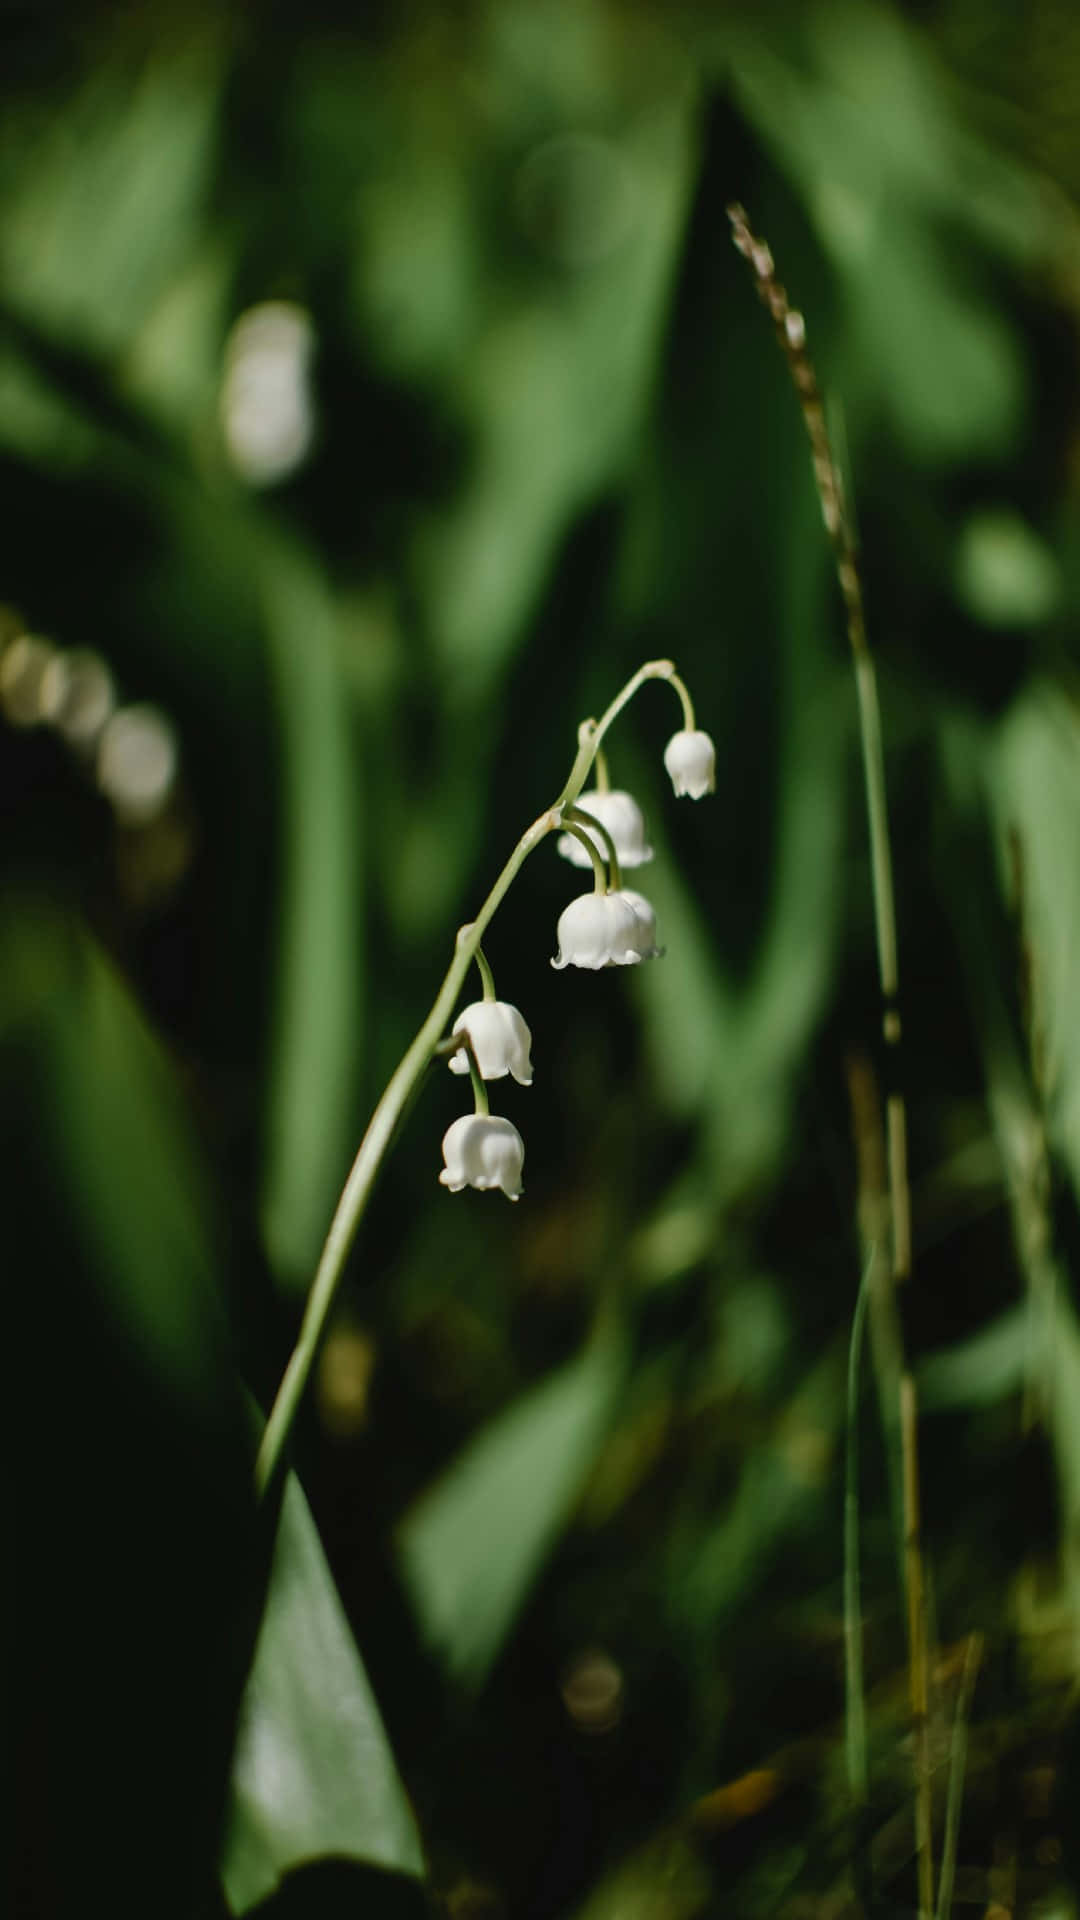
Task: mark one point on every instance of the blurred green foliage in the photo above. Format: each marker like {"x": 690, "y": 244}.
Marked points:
{"x": 575, "y": 1469}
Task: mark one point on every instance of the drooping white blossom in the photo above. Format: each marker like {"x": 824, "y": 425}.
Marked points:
{"x": 620, "y": 814}
{"x": 606, "y": 930}
{"x": 690, "y": 758}
{"x": 500, "y": 1040}
{"x": 483, "y": 1151}
{"x": 646, "y": 918}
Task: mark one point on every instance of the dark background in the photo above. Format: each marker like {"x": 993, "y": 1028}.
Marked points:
{"x": 542, "y": 433}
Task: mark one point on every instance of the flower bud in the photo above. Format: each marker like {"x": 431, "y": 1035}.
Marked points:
{"x": 606, "y": 930}
{"x": 620, "y": 814}
{"x": 482, "y": 1151}
{"x": 690, "y": 759}
{"x": 500, "y": 1040}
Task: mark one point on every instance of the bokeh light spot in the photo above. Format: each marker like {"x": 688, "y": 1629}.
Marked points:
{"x": 137, "y": 763}
{"x": 267, "y": 409}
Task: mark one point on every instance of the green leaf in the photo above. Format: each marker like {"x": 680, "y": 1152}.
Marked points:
{"x": 319, "y": 972}
{"x": 729, "y": 1052}
{"x": 87, "y": 248}
{"x": 473, "y": 1544}
{"x": 135, "y": 1527}
{"x": 1035, "y": 773}
{"x": 980, "y": 1370}
{"x": 529, "y": 381}
{"x": 313, "y": 1773}
{"x": 868, "y": 138}
{"x": 128, "y": 1166}
{"x": 1004, "y": 573}
{"x": 664, "y": 1879}
{"x": 780, "y": 1493}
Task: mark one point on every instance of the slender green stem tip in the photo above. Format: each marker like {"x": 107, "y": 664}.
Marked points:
{"x": 683, "y": 692}
{"x": 854, "y": 1695}
{"x": 957, "y": 1762}
{"x": 486, "y": 975}
{"x": 479, "y": 1089}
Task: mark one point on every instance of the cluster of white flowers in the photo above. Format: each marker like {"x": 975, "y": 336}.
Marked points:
{"x": 617, "y": 928}
{"x": 613, "y": 926}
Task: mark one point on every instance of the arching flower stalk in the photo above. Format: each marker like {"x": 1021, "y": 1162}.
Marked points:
{"x": 612, "y": 926}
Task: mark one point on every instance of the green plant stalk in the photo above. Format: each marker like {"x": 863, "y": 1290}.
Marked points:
{"x": 854, "y": 1691}
{"x": 373, "y": 1146}
{"x": 918, "y": 1653}
{"x": 957, "y": 1763}
{"x": 487, "y": 978}
{"x": 404, "y": 1079}
{"x": 791, "y": 334}
{"x": 881, "y": 878}
{"x": 591, "y": 733}
{"x": 481, "y": 1105}
{"x": 683, "y": 692}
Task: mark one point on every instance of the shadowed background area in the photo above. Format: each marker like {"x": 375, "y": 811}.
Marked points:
{"x": 378, "y": 389}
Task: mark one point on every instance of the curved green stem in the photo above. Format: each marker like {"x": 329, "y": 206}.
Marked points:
{"x": 583, "y": 825}
{"x": 486, "y": 975}
{"x": 854, "y": 1693}
{"x": 357, "y": 1188}
{"x": 587, "y": 737}
{"x": 590, "y": 735}
{"x": 599, "y": 865}
{"x": 683, "y": 692}
{"x": 479, "y": 1090}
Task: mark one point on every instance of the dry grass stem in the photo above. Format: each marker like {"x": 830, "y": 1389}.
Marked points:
{"x": 790, "y": 330}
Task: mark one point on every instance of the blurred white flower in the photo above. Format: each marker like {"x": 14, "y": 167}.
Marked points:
{"x": 483, "y": 1151}
{"x": 606, "y": 930}
{"x": 137, "y": 763}
{"x": 23, "y": 676}
{"x": 620, "y": 814}
{"x": 690, "y": 759}
{"x": 500, "y": 1040}
{"x": 267, "y": 410}
{"x": 77, "y": 696}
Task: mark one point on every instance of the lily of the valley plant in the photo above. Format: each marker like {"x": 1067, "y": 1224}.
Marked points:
{"x": 611, "y": 926}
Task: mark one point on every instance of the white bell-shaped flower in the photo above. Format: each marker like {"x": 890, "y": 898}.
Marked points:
{"x": 500, "y": 1040}
{"x": 482, "y": 1151}
{"x": 690, "y": 759}
{"x": 606, "y": 930}
{"x": 620, "y": 814}
{"x": 647, "y": 948}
